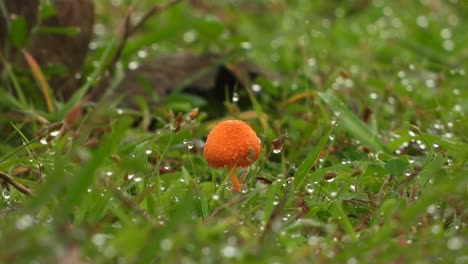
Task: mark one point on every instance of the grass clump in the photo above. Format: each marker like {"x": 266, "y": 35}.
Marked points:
{"x": 363, "y": 154}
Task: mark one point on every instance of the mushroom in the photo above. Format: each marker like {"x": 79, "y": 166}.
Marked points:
{"x": 231, "y": 144}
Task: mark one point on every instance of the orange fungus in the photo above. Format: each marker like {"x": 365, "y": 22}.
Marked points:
{"x": 231, "y": 144}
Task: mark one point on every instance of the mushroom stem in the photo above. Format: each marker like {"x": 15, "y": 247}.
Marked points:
{"x": 232, "y": 177}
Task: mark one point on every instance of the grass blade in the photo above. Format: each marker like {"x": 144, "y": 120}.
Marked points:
{"x": 306, "y": 165}
{"x": 353, "y": 124}
{"x": 40, "y": 79}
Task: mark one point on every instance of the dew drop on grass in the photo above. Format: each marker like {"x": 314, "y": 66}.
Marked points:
{"x": 245, "y": 189}
{"x": 455, "y": 243}
{"x": 431, "y": 209}
{"x": 235, "y": 97}
{"x": 166, "y": 244}
{"x": 43, "y": 141}
{"x": 276, "y": 200}
{"x": 229, "y": 186}
{"x": 24, "y": 222}
{"x": 167, "y": 166}
{"x": 175, "y": 199}
{"x": 99, "y": 240}
{"x": 229, "y": 251}
{"x": 435, "y": 144}
{"x": 411, "y": 133}
{"x": 331, "y": 137}
{"x": 277, "y": 150}
{"x": 435, "y": 229}
{"x": 142, "y": 54}
{"x": 133, "y": 65}
{"x": 256, "y": 88}
{"x": 352, "y": 260}
{"x": 148, "y": 152}
{"x": 215, "y": 197}
{"x": 309, "y": 188}
{"x": 6, "y": 194}
{"x": 109, "y": 173}
{"x": 181, "y": 180}
{"x": 190, "y": 145}
{"x": 246, "y": 45}
{"x": 138, "y": 179}
{"x": 333, "y": 194}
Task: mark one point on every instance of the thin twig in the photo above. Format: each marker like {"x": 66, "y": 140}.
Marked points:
{"x": 18, "y": 186}
{"x": 129, "y": 30}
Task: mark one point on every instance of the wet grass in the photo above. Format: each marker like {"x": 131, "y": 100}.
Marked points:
{"x": 364, "y": 144}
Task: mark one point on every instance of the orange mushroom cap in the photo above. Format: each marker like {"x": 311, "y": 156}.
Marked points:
{"x": 231, "y": 143}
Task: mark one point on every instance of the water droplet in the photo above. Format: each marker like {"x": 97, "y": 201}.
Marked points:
{"x": 133, "y": 65}
{"x": 352, "y": 260}
{"x": 245, "y": 189}
{"x": 109, "y": 173}
{"x": 313, "y": 240}
{"x": 331, "y": 137}
{"x": 276, "y": 200}
{"x": 256, "y": 88}
{"x": 43, "y": 141}
{"x": 148, "y": 152}
{"x": 54, "y": 133}
{"x": 246, "y": 45}
{"x": 455, "y": 243}
{"x": 99, "y": 239}
{"x": 190, "y": 145}
{"x": 309, "y": 188}
{"x": 235, "y": 97}
{"x": 411, "y": 133}
{"x": 422, "y": 21}
{"x": 435, "y": 144}
{"x": 277, "y": 150}
{"x": 311, "y": 62}
{"x": 166, "y": 244}
{"x": 142, "y": 54}
{"x": 190, "y": 36}
{"x": 89, "y": 190}
{"x": 6, "y": 193}
{"x": 181, "y": 180}
{"x": 435, "y": 229}
{"x": 229, "y": 251}
{"x": 175, "y": 199}
{"x": 167, "y": 166}
{"x": 373, "y": 96}
{"x": 333, "y": 194}
{"x": 229, "y": 186}
{"x": 446, "y": 33}
{"x": 430, "y": 83}
{"x": 24, "y": 222}
{"x": 215, "y": 197}
{"x": 138, "y": 179}
{"x": 431, "y": 209}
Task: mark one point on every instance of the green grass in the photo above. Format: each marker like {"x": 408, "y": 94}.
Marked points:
{"x": 373, "y": 170}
